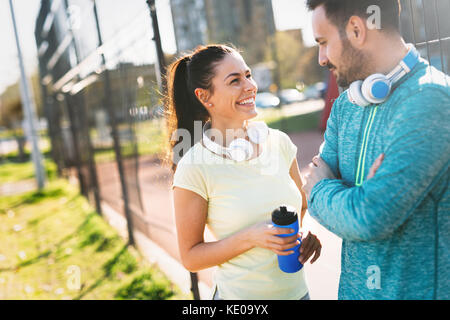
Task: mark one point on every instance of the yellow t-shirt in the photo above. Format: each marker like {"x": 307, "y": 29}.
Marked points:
{"x": 241, "y": 194}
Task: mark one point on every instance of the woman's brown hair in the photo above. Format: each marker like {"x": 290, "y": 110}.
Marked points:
{"x": 192, "y": 71}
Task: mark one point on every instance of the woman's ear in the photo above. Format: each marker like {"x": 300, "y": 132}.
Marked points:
{"x": 203, "y": 96}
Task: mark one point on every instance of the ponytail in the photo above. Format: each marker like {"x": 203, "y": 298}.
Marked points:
{"x": 191, "y": 71}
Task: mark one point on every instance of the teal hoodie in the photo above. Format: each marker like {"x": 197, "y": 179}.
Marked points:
{"x": 395, "y": 227}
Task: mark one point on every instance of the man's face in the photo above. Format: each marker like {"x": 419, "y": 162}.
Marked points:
{"x": 336, "y": 51}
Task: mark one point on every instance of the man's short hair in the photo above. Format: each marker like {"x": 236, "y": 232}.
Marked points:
{"x": 340, "y": 11}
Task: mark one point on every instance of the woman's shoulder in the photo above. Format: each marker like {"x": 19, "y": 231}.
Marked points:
{"x": 191, "y": 156}
{"x": 190, "y": 163}
{"x": 278, "y": 136}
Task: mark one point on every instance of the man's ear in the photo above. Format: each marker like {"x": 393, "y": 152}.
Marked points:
{"x": 203, "y": 96}
{"x": 356, "y": 31}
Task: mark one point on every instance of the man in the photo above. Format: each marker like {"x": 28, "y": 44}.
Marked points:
{"x": 394, "y": 223}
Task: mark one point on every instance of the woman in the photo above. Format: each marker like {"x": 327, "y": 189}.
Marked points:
{"x": 234, "y": 193}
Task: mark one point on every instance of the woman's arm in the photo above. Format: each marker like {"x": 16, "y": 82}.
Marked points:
{"x": 310, "y": 244}
{"x": 190, "y": 214}
{"x": 294, "y": 172}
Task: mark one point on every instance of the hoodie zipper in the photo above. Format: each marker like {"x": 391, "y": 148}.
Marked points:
{"x": 362, "y": 154}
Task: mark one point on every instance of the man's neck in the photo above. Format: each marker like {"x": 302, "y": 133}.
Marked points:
{"x": 229, "y": 130}
{"x": 388, "y": 55}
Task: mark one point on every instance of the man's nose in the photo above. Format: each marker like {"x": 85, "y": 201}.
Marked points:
{"x": 323, "y": 59}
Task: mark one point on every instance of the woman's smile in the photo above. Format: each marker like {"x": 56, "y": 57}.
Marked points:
{"x": 248, "y": 102}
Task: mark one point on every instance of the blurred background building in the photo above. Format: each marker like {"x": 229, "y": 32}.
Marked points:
{"x": 247, "y": 24}
{"x": 189, "y": 23}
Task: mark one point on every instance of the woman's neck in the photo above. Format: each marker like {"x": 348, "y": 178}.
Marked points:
{"x": 229, "y": 131}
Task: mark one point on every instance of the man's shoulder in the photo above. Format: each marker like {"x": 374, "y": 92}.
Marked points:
{"x": 423, "y": 100}
{"x": 430, "y": 76}
{"x": 427, "y": 82}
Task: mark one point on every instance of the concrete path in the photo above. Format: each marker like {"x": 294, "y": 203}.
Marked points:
{"x": 323, "y": 275}
{"x": 12, "y": 188}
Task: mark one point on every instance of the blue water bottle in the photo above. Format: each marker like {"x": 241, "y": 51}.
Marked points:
{"x": 286, "y": 217}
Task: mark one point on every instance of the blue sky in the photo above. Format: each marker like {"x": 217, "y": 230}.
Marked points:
{"x": 289, "y": 14}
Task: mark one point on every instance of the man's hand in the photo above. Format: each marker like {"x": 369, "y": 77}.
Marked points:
{"x": 318, "y": 170}
{"x": 310, "y": 245}
{"x": 375, "y": 166}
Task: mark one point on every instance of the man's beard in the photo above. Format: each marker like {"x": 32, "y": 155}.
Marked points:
{"x": 354, "y": 65}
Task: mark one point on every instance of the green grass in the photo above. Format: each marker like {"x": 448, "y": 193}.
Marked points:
{"x": 11, "y": 171}
{"x": 53, "y": 245}
{"x": 304, "y": 122}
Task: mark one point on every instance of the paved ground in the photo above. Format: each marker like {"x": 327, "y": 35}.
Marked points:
{"x": 12, "y": 188}
{"x": 323, "y": 275}
{"x": 10, "y": 145}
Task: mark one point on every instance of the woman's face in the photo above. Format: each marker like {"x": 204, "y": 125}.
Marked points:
{"x": 234, "y": 91}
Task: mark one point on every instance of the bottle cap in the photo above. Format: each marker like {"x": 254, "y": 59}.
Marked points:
{"x": 284, "y": 215}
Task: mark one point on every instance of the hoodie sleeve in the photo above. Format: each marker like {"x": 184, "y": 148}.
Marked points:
{"x": 329, "y": 148}
{"x": 416, "y": 157}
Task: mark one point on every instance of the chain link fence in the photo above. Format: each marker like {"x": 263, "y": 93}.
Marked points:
{"x": 425, "y": 24}
{"x": 101, "y": 100}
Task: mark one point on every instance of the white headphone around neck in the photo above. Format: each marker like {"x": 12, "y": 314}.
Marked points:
{"x": 377, "y": 87}
{"x": 239, "y": 149}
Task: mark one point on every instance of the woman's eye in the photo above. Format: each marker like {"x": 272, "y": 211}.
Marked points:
{"x": 249, "y": 76}
{"x": 234, "y": 81}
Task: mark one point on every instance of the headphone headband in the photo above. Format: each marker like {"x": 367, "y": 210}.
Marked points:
{"x": 239, "y": 149}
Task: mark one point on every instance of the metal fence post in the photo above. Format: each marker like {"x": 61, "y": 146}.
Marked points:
{"x": 115, "y": 136}
{"x": 93, "y": 181}
{"x": 160, "y": 72}
{"x": 161, "y": 65}
{"x": 194, "y": 285}
{"x": 29, "y": 111}
{"x": 75, "y": 128}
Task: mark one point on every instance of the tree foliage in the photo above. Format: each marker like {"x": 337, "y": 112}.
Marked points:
{"x": 11, "y": 111}
{"x": 297, "y": 63}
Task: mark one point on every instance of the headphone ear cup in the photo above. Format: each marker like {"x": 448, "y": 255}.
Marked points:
{"x": 355, "y": 95}
{"x": 376, "y": 88}
{"x": 257, "y": 132}
{"x": 240, "y": 150}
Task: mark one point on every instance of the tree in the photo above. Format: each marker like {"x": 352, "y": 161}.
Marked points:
{"x": 11, "y": 110}
{"x": 297, "y": 62}
{"x": 12, "y": 115}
